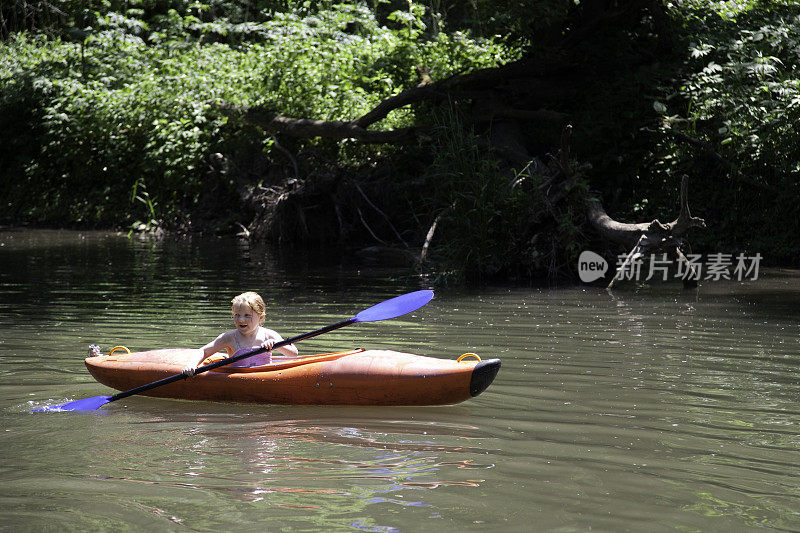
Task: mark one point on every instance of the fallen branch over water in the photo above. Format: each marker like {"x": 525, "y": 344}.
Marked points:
{"x": 647, "y": 238}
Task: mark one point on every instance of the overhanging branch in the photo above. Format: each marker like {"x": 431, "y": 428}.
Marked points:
{"x": 470, "y": 86}
{"x": 330, "y": 129}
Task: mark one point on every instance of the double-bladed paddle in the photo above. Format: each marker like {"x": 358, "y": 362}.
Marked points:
{"x": 386, "y": 310}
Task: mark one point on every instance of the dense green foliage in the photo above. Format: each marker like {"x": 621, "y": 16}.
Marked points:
{"x": 715, "y": 96}
{"x": 739, "y": 94}
{"x": 125, "y": 122}
{"x": 122, "y": 125}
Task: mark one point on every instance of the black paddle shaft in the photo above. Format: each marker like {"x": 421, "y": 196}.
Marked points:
{"x": 229, "y": 360}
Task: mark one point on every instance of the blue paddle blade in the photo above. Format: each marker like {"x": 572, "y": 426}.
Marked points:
{"x": 395, "y": 307}
{"x": 87, "y": 404}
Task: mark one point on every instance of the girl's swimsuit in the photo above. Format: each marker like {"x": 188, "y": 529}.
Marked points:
{"x": 263, "y": 358}
{"x": 254, "y": 360}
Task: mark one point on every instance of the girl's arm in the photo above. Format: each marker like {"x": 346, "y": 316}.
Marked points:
{"x": 220, "y": 344}
{"x": 288, "y": 350}
{"x": 217, "y": 345}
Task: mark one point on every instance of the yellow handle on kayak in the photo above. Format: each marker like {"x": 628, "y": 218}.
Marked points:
{"x": 115, "y": 348}
{"x": 464, "y": 356}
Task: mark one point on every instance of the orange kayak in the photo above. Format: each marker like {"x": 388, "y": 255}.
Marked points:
{"x": 356, "y": 377}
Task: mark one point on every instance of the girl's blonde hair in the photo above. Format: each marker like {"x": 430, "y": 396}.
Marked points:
{"x": 252, "y": 300}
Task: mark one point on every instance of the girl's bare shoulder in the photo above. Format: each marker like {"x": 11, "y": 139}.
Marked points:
{"x": 225, "y": 339}
{"x": 269, "y": 334}
{"x": 227, "y": 336}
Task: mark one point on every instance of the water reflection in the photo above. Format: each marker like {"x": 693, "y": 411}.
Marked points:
{"x": 331, "y": 465}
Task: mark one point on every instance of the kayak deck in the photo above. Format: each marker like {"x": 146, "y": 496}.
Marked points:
{"x": 354, "y": 377}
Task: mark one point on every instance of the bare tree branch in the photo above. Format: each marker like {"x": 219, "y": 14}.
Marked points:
{"x": 655, "y": 232}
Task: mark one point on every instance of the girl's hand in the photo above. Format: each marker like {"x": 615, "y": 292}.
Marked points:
{"x": 189, "y": 371}
{"x": 268, "y": 344}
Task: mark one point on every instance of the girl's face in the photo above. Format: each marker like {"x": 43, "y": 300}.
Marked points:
{"x": 245, "y": 319}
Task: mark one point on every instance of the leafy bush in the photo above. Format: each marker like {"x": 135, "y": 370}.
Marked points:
{"x": 132, "y": 105}
{"x": 124, "y": 114}
{"x": 739, "y": 94}
{"x": 744, "y": 92}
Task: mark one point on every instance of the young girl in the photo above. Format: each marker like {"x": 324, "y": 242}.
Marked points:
{"x": 248, "y": 315}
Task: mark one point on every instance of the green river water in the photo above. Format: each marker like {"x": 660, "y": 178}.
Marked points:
{"x": 652, "y": 409}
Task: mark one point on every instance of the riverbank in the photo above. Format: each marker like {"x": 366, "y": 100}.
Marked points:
{"x": 192, "y": 121}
